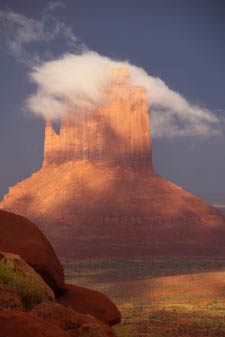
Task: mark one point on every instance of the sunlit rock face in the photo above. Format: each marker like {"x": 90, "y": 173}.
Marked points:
{"x": 116, "y": 133}
{"x": 97, "y": 194}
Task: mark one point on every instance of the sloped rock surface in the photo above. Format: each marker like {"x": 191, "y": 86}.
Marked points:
{"x": 25, "y": 278}
{"x": 70, "y": 320}
{"x": 87, "y": 301}
{"x": 20, "y": 236}
{"x": 89, "y": 330}
{"x": 9, "y": 298}
{"x": 20, "y": 324}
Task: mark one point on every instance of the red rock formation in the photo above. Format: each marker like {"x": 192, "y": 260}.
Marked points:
{"x": 20, "y": 236}
{"x": 24, "y": 271}
{"x": 68, "y": 319}
{"x": 87, "y": 301}
{"x": 9, "y": 298}
{"x": 116, "y": 134}
{"x": 20, "y": 324}
{"x": 97, "y": 193}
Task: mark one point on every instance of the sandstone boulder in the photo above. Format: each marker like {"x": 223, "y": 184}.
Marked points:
{"x": 89, "y": 330}
{"x": 70, "y": 320}
{"x": 20, "y": 236}
{"x": 20, "y": 324}
{"x": 9, "y": 298}
{"x": 87, "y": 301}
{"x": 15, "y": 272}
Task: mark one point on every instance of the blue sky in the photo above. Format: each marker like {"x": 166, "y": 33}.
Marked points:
{"x": 182, "y": 42}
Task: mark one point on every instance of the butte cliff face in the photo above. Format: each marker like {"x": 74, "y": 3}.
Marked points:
{"x": 97, "y": 194}
{"x": 114, "y": 134}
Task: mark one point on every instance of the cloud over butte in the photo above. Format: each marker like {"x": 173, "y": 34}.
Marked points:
{"x": 81, "y": 76}
{"x": 83, "y": 79}
{"x": 97, "y": 194}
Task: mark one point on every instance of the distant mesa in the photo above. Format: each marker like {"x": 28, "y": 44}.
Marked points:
{"x": 97, "y": 193}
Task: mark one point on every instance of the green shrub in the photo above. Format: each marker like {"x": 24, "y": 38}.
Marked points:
{"x": 27, "y": 288}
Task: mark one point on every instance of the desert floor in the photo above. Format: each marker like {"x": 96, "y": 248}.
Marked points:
{"x": 160, "y": 298}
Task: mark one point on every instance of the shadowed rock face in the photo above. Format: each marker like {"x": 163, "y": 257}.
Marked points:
{"x": 20, "y": 324}
{"x": 69, "y": 320}
{"x": 97, "y": 194}
{"x": 23, "y": 271}
{"x": 20, "y": 236}
{"x": 88, "y": 301}
{"x": 9, "y": 298}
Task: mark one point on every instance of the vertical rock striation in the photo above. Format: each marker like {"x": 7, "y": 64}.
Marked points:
{"x": 116, "y": 133}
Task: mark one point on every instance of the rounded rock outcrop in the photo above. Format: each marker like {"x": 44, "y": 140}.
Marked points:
{"x": 20, "y": 236}
{"x": 87, "y": 301}
{"x": 20, "y": 324}
{"x": 9, "y": 298}
{"x": 30, "y": 286}
{"x": 69, "y": 320}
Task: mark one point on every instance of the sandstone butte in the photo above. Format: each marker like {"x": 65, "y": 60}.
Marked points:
{"x": 97, "y": 194}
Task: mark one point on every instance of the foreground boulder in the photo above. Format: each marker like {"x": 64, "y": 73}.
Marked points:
{"x": 20, "y": 324}
{"x": 31, "y": 271}
{"x": 87, "y": 301}
{"x": 89, "y": 330}
{"x": 29, "y": 285}
{"x": 74, "y": 322}
{"x": 20, "y": 236}
{"x": 9, "y": 298}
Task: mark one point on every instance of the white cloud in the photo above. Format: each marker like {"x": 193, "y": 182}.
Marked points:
{"x": 18, "y": 32}
{"x": 82, "y": 77}
{"x": 82, "y": 80}
{"x": 52, "y": 5}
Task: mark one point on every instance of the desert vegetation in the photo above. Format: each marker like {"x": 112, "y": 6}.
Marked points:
{"x": 28, "y": 288}
{"x": 160, "y": 297}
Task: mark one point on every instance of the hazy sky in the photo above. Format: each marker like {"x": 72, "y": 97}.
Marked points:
{"x": 180, "y": 41}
